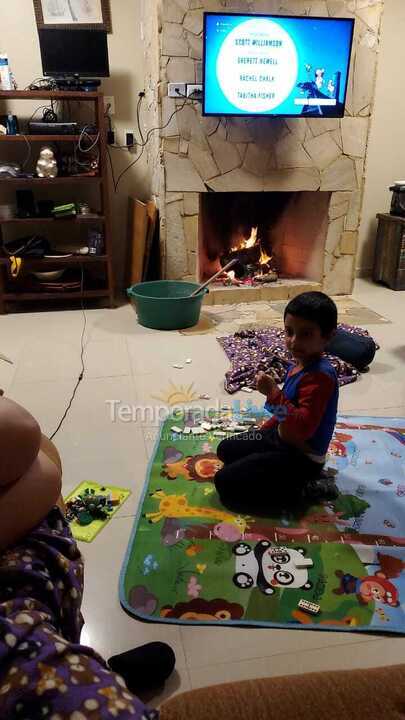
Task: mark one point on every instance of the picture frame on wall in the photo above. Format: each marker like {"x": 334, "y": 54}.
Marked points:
{"x": 73, "y": 14}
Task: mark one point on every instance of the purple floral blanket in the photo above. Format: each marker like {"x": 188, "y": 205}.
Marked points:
{"x": 264, "y": 349}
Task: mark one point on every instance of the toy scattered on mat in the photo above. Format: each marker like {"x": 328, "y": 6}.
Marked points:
{"x": 91, "y": 506}
{"x": 309, "y": 607}
{"x": 220, "y": 423}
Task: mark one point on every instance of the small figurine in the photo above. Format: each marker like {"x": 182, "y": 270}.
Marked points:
{"x": 47, "y": 166}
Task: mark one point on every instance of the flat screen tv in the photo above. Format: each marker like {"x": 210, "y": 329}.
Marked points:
{"x": 276, "y": 65}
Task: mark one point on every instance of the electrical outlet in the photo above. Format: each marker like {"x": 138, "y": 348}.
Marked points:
{"x": 176, "y": 90}
{"x": 109, "y": 104}
{"x": 129, "y": 138}
{"x": 194, "y": 91}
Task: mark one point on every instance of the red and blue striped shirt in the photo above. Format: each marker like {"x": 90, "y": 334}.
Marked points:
{"x": 310, "y": 398}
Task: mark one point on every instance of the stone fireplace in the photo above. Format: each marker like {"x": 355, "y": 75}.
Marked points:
{"x": 200, "y": 165}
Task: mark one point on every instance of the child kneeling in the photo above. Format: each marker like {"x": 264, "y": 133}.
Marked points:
{"x": 283, "y": 461}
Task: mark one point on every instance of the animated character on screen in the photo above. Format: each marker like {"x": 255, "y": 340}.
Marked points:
{"x": 315, "y": 87}
{"x": 268, "y": 567}
{"x": 372, "y": 588}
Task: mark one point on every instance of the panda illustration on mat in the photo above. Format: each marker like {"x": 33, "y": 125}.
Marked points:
{"x": 268, "y": 567}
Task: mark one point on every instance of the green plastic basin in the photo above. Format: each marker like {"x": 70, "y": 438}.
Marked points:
{"x": 165, "y": 305}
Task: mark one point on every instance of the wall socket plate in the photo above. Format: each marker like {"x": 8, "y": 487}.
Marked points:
{"x": 194, "y": 91}
{"x": 109, "y": 102}
{"x": 175, "y": 90}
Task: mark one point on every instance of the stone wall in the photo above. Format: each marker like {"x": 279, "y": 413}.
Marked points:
{"x": 261, "y": 154}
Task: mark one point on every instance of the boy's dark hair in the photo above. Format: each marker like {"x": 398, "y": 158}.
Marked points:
{"x": 316, "y": 307}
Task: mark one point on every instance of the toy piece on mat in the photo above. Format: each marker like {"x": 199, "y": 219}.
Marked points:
{"x": 91, "y": 506}
{"x": 198, "y": 431}
{"x": 88, "y": 505}
{"x": 176, "y": 429}
{"x": 309, "y": 607}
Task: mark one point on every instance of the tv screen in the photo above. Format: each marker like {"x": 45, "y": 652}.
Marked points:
{"x": 74, "y": 52}
{"x": 276, "y": 65}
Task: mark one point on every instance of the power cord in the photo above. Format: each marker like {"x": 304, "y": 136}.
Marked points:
{"x": 93, "y": 143}
{"x": 143, "y": 144}
{"x": 29, "y": 153}
{"x": 138, "y": 115}
{"x": 82, "y": 372}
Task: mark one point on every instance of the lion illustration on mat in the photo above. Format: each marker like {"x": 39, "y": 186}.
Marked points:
{"x": 201, "y": 468}
{"x": 203, "y": 610}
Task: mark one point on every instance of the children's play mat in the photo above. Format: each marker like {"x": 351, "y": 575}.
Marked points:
{"x": 341, "y": 566}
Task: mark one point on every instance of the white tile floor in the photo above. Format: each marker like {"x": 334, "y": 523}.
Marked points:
{"x": 128, "y": 363}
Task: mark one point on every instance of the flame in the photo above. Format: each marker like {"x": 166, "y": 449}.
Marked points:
{"x": 249, "y": 243}
{"x": 264, "y": 258}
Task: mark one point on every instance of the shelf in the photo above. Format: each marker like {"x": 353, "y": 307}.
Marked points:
{"x": 48, "y": 95}
{"x": 99, "y": 283}
{"x": 44, "y": 138}
{"x": 77, "y": 180}
{"x": 78, "y": 219}
{"x": 51, "y": 262}
{"x": 75, "y": 295}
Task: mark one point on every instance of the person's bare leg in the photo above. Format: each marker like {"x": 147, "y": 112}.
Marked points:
{"x": 20, "y": 439}
{"x": 28, "y": 501}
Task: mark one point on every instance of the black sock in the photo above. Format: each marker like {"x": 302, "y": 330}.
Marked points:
{"x": 145, "y": 668}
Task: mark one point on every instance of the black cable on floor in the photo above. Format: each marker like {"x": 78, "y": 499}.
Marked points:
{"x": 82, "y": 371}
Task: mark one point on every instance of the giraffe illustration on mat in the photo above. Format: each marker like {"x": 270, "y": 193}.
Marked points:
{"x": 176, "y": 506}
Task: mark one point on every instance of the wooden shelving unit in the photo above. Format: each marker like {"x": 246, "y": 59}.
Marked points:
{"x": 103, "y": 219}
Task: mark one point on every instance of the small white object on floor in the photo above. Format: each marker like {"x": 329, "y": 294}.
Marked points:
{"x": 187, "y": 431}
{"x": 176, "y": 429}
{"x": 206, "y": 425}
{"x": 205, "y": 397}
{"x": 219, "y": 433}
{"x": 198, "y": 431}
{"x": 240, "y": 428}
{"x": 247, "y": 389}
{"x": 178, "y": 366}
{"x": 189, "y": 361}
{"x": 309, "y": 607}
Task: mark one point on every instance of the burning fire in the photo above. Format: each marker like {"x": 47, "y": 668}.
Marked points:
{"x": 249, "y": 243}
{"x": 264, "y": 258}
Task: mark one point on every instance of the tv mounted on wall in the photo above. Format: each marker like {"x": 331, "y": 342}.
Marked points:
{"x": 280, "y": 66}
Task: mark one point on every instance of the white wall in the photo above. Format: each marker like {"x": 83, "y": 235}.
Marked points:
{"x": 386, "y": 151}
{"x": 19, "y": 39}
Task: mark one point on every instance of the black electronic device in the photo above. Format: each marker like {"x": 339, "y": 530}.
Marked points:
{"x": 81, "y": 53}
{"x": 52, "y": 128}
{"x": 25, "y": 204}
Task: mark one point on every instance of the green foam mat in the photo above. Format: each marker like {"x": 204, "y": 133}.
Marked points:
{"x": 191, "y": 561}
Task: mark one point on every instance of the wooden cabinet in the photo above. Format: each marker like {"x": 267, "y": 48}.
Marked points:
{"x": 389, "y": 259}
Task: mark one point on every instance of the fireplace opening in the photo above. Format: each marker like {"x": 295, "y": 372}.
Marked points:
{"x": 271, "y": 235}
